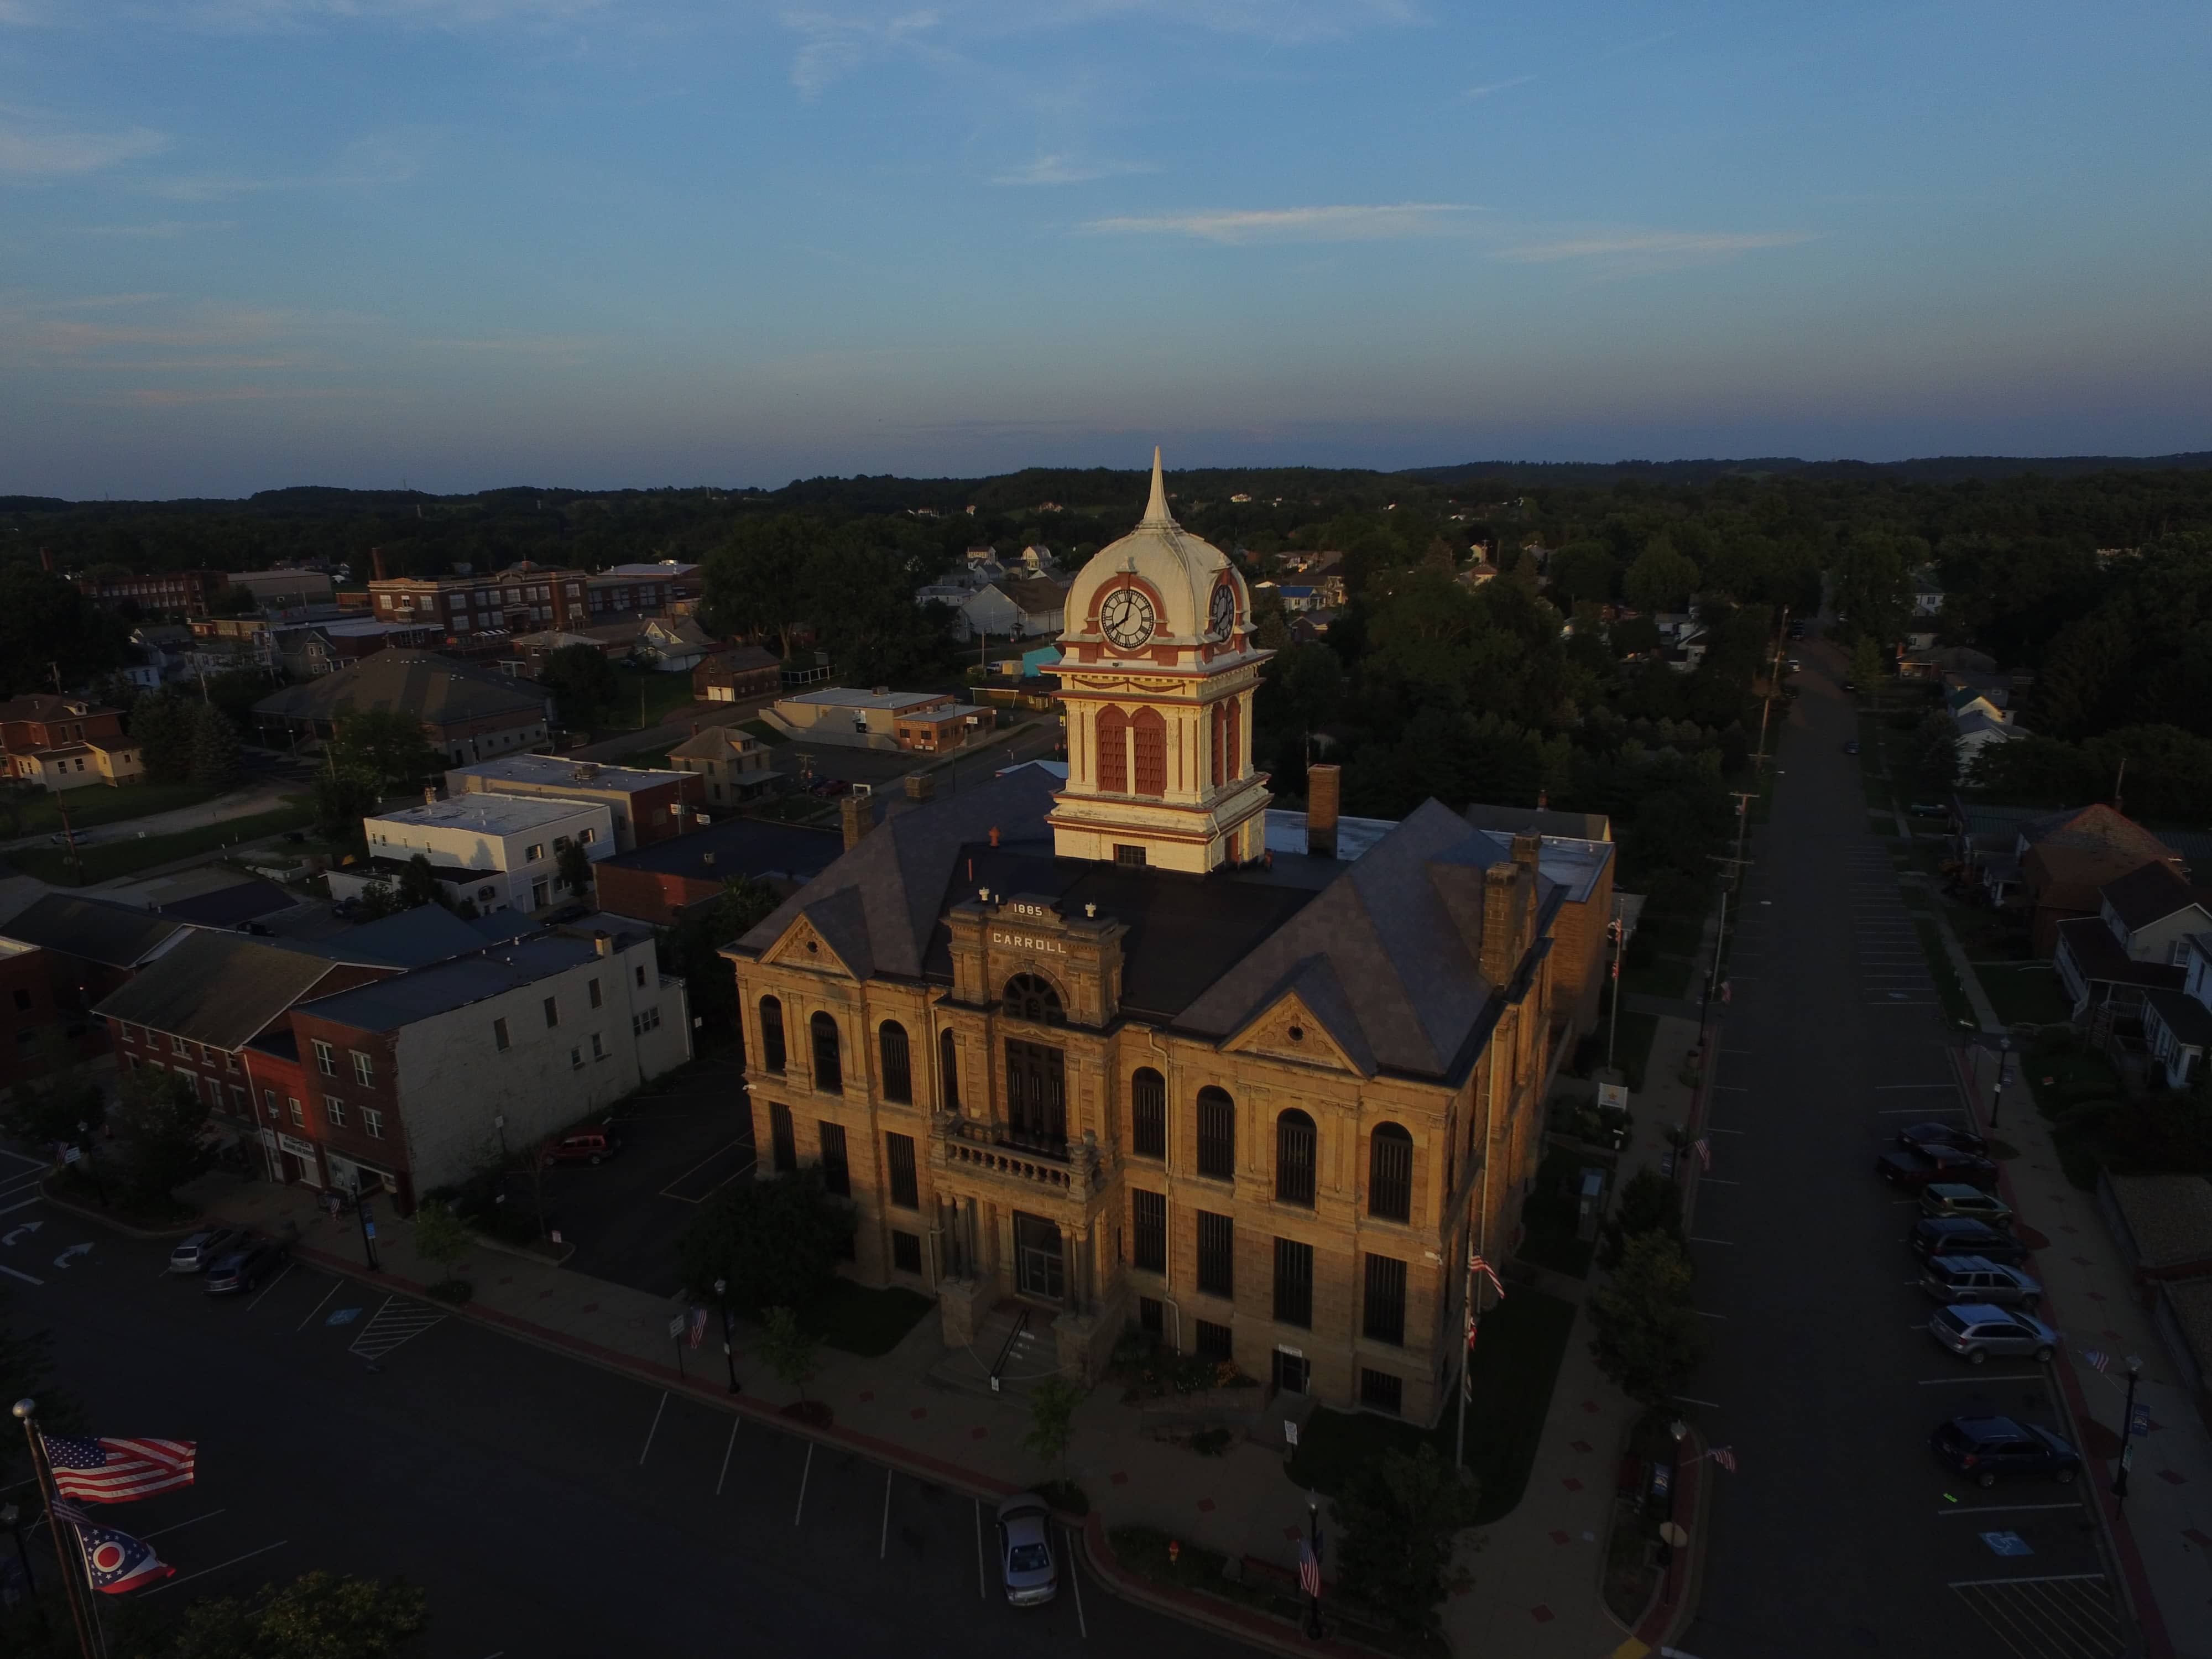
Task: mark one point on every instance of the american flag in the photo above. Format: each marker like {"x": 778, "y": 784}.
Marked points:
{"x": 1725, "y": 1457}
{"x": 116, "y": 1471}
{"x": 114, "y": 1561}
{"x": 1704, "y": 1153}
{"x": 2099, "y": 1360}
{"x": 698, "y": 1326}
{"x": 1309, "y": 1569}
{"x": 1475, "y": 1264}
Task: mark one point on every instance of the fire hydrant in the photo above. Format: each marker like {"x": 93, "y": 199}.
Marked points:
{"x": 1174, "y": 1552}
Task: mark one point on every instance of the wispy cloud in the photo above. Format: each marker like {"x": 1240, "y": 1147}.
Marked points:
{"x": 181, "y": 396}
{"x": 102, "y": 301}
{"x": 1300, "y": 224}
{"x": 28, "y": 153}
{"x": 834, "y": 45}
{"x": 390, "y": 157}
{"x": 1066, "y": 170}
{"x": 1489, "y": 87}
{"x": 249, "y": 14}
{"x": 157, "y": 229}
{"x": 1668, "y": 247}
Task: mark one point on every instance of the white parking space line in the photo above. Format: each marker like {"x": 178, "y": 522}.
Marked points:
{"x": 653, "y": 1430}
{"x": 1715, "y": 1129}
{"x": 1075, "y": 1577}
{"x": 883, "y": 1537}
{"x": 269, "y": 1286}
{"x": 1982, "y": 1377}
{"x": 318, "y": 1308}
{"x": 36, "y": 1163}
{"x": 26, "y": 1278}
{"x": 171, "y": 1584}
{"x": 1702, "y": 1314}
{"x": 2002, "y": 1509}
{"x": 1710, "y": 1405}
{"x": 1732, "y": 1088}
{"x": 805, "y": 1475}
{"x": 1717, "y": 1181}
{"x": 982, "y": 1584}
{"x": 727, "y": 1450}
{"x": 180, "y": 1525}
{"x": 25, "y": 1205}
{"x": 1694, "y": 1239}
{"x": 1915, "y": 1085}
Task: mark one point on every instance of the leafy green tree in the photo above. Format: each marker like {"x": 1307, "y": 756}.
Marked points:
{"x": 235, "y": 601}
{"x": 1868, "y": 664}
{"x": 1396, "y": 1523}
{"x": 161, "y": 724}
{"x": 1649, "y": 1339}
{"x": 575, "y": 866}
{"x": 582, "y": 682}
{"x": 754, "y": 583}
{"x": 419, "y": 885}
{"x": 442, "y": 1237}
{"x": 27, "y": 1372}
{"x": 1935, "y": 752}
{"x": 2167, "y": 777}
{"x": 1648, "y": 1203}
{"x": 343, "y": 797}
{"x": 386, "y": 745}
{"x": 48, "y": 627}
{"x": 218, "y": 761}
{"x": 319, "y": 1615}
{"x": 158, "y": 1136}
{"x": 1052, "y": 1419}
{"x": 2036, "y": 771}
{"x": 790, "y": 1349}
{"x": 1872, "y": 584}
{"x": 380, "y": 899}
{"x": 775, "y": 1242}
{"x": 1583, "y": 571}
{"x": 694, "y": 949}
{"x": 1661, "y": 578}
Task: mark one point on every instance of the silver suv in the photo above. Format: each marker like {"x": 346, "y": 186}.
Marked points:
{"x": 1976, "y": 1330}
{"x": 1977, "y": 1279}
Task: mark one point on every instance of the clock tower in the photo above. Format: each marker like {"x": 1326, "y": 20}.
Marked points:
{"x": 1156, "y": 675}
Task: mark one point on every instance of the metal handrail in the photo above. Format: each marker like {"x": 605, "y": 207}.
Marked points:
{"x": 1021, "y": 1324}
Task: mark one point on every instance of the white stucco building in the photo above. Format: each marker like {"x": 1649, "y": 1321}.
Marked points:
{"x": 499, "y": 852}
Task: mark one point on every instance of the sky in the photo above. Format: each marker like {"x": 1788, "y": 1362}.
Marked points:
{"x": 457, "y": 244}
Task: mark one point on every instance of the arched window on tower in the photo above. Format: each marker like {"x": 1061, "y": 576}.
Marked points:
{"x": 898, "y": 1067}
{"x": 1030, "y": 997}
{"x": 829, "y": 1068}
{"x": 1235, "y": 740}
{"x": 1294, "y": 1157}
{"x": 948, "y": 1071}
{"x": 1220, "y": 725}
{"x": 1113, "y": 738}
{"x": 771, "y": 1013}
{"x": 1149, "y": 735}
{"x": 1390, "y": 1173}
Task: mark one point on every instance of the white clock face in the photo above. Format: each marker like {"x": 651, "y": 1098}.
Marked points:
{"x": 1127, "y": 617}
{"x": 1222, "y": 615}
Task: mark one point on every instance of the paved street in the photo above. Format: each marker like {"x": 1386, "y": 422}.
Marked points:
{"x": 1841, "y": 1534}
{"x": 549, "y": 1507}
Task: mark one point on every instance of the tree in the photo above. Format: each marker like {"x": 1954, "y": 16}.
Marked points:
{"x": 1649, "y": 1339}
{"x": 158, "y": 1134}
{"x": 160, "y": 724}
{"x": 753, "y": 583}
{"x": 582, "y": 683}
{"x": 694, "y": 944}
{"x": 343, "y": 797}
{"x": 218, "y": 761}
{"x": 775, "y": 1242}
{"x": 1052, "y": 1419}
{"x": 27, "y": 1364}
{"x": 790, "y": 1350}
{"x": 378, "y": 900}
{"x": 419, "y": 885}
{"x": 48, "y": 628}
{"x": 1935, "y": 759}
{"x": 1661, "y": 578}
{"x": 1527, "y": 571}
{"x": 319, "y": 1615}
{"x": 1397, "y": 1521}
{"x": 1648, "y": 1203}
{"x": 387, "y": 745}
{"x": 575, "y": 864}
{"x": 1867, "y": 664}
{"x": 1871, "y": 581}
{"x": 1583, "y": 571}
{"x": 235, "y": 601}
{"x": 443, "y": 1238}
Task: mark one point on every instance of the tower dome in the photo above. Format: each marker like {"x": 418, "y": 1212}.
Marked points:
{"x": 1158, "y": 589}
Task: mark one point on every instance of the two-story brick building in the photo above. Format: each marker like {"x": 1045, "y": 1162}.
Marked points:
{"x": 647, "y": 806}
{"x": 1088, "y": 1049}
{"x": 66, "y": 743}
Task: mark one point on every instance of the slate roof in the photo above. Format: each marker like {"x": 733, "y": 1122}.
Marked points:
{"x": 2150, "y": 894}
{"x": 2189, "y": 1020}
{"x": 2099, "y": 956}
{"x": 112, "y": 935}
{"x": 743, "y": 658}
{"x": 437, "y": 689}
{"x": 216, "y": 988}
{"x": 385, "y": 1005}
{"x": 1541, "y": 820}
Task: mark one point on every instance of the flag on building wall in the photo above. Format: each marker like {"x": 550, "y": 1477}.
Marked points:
{"x": 1725, "y": 1456}
{"x": 698, "y": 1326}
{"x": 116, "y": 1471}
{"x": 114, "y": 1561}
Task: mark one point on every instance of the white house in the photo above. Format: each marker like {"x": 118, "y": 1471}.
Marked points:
{"x": 498, "y": 852}
{"x": 1016, "y": 607}
{"x": 1980, "y": 727}
{"x": 1927, "y": 595}
{"x": 2178, "y": 1024}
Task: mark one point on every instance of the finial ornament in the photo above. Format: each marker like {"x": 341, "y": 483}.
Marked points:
{"x": 1156, "y": 510}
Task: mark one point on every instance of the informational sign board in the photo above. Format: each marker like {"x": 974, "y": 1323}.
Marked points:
{"x": 676, "y": 1326}
{"x": 1289, "y": 1432}
{"x": 1612, "y": 1096}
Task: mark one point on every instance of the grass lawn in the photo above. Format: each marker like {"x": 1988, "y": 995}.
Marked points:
{"x": 1517, "y": 1361}
{"x": 99, "y": 804}
{"x": 870, "y": 1323}
{"x": 765, "y": 732}
{"x": 2025, "y": 993}
{"x": 649, "y": 760}
{"x": 648, "y": 691}
{"x": 124, "y": 857}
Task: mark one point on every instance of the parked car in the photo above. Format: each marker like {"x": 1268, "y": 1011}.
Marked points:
{"x": 259, "y": 929}
{"x": 585, "y": 1146}
{"x": 1987, "y": 1448}
{"x": 345, "y": 907}
{"x": 1926, "y": 1137}
{"x": 1977, "y": 1279}
{"x": 1958, "y": 1234}
{"x": 1978, "y": 1329}
{"x": 244, "y": 1270}
{"x": 1956, "y": 1198}
{"x": 1851, "y": 748}
{"x": 1025, "y": 1550}
{"x": 193, "y": 1255}
{"x": 1940, "y": 1163}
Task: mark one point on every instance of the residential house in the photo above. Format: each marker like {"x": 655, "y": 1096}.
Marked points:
{"x": 2086, "y": 847}
{"x": 648, "y": 804}
{"x": 1981, "y": 728}
{"x": 673, "y": 645}
{"x": 2136, "y": 942}
{"x": 654, "y": 884}
{"x": 2178, "y": 1023}
{"x": 66, "y": 743}
{"x": 1927, "y": 592}
{"x": 735, "y": 673}
{"x": 1014, "y": 607}
{"x": 1476, "y": 574}
{"x": 1933, "y": 662}
{"x": 469, "y": 714}
{"x": 735, "y": 766}
{"x": 496, "y": 852}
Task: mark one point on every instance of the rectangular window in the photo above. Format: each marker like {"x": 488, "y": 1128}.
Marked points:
{"x": 214, "y": 1092}
{"x": 229, "y": 1061}
{"x": 499, "y": 1036}
{"x": 598, "y": 1048}
{"x": 836, "y": 1173}
{"x": 326, "y": 1061}
{"x": 1214, "y": 1341}
{"x": 534, "y": 852}
{"x": 646, "y": 1020}
{"x": 269, "y": 1101}
{"x": 786, "y": 1143}
{"x": 299, "y": 1117}
{"x": 1384, "y": 1316}
{"x": 1130, "y": 857}
{"x": 178, "y": 1046}
{"x": 1217, "y": 1254}
{"x": 1379, "y": 1391}
{"x": 641, "y": 976}
{"x": 905, "y": 1252}
{"x": 364, "y": 1070}
{"x": 1149, "y": 1212}
{"x": 1148, "y": 1114}
{"x": 1294, "y": 1264}
{"x": 576, "y": 1058}
{"x": 898, "y": 1153}
{"x": 1037, "y": 1094}
{"x": 1152, "y": 1316}
{"x": 334, "y": 1111}
{"x": 1390, "y": 1174}
{"x": 238, "y": 1098}
{"x": 372, "y": 1121}
{"x": 598, "y": 998}
{"x": 552, "y": 1010}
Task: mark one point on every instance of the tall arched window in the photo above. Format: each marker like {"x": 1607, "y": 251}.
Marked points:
{"x": 898, "y": 1067}
{"x": 1030, "y": 997}
{"x": 771, "y": 1012}
{"x": 1113, "y": 738}
{"x": 948, "y": 1071}
{"x": 1235, "y": 740}
{"x": 829, "y": 1072}
{"x": 1149, "y": 738}
{"x": 1217, "y": 1134}
{"x": 1390, "y": 1173}
{"x": 1148, "y": 1114}
{"x": 1220, "y": 724}
{"x": 1294, "y": 1157}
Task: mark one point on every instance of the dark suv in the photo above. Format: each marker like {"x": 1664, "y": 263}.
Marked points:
{"x": 1987, "y": 1448}
{"x": 1916, "y": 1169}
{"x": 1958, "y": 1234}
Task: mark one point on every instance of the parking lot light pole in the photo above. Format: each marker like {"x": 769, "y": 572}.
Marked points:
{"x": 729, "y": 1359}
{"x": 2127, "y": 1436}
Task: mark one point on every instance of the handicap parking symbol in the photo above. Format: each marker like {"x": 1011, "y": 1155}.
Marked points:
{"x": 2008, "y": 1543}
{"x": 344, "y": 1316}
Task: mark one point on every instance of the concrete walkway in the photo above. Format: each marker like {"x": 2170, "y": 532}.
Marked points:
{"x": 255, "y": 797}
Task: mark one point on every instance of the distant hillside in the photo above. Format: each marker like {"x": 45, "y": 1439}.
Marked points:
{"x": 1935, "y": 469}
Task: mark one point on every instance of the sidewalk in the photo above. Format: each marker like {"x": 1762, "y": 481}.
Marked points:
{"x": 2163, "y": 1535}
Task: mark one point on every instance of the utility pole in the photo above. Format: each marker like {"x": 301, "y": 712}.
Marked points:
{"x": 68, "y": 834}
{"x": 1613, "y": 1031}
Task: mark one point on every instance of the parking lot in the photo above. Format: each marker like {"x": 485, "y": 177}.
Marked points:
{"x": 547, "y": 1507}
{"x": 1825, "y": 1382}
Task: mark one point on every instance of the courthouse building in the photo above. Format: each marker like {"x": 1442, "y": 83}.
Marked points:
{"x": 1090, "y": 1048}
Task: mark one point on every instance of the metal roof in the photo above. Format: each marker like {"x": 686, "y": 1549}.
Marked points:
{"x": 94, "y": 930}
{"x": 218, "y": 988}
{"x": 388, "y": 1004}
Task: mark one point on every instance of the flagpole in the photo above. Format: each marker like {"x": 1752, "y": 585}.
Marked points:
{"x": 26, "y": 1412}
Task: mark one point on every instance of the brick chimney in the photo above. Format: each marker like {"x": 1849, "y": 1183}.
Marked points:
{"x": 921, "y": 786}
{"x": 858, "y": 813}
{"x": 1527, "y": 849}
{"x": 1501, "y": 891}
{"x": 376, "y": 561}
{"x": 1324, "y": 786}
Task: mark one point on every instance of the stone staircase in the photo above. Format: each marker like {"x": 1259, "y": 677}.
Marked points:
{"x": 1033, "y": 1356}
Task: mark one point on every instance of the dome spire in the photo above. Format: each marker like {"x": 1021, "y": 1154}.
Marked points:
{"x": 1156, "y": 510}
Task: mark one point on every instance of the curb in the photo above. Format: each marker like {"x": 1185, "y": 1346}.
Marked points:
{"x": 1192, "y": 1607}
{"x": 108, "y": 1220}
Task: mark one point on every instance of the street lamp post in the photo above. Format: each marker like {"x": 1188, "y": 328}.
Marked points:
{"x": 2127, "y": 1436}
{"x": 729, "y": 1359}
{"x": 1997, "y": 1095}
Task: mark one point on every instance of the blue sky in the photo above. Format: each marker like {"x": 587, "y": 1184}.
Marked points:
{"x": 458, "y": 243}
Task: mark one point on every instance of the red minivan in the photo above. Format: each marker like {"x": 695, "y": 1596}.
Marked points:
{"x": 585, "y": 1146}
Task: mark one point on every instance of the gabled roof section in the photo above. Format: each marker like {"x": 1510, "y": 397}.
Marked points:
{"x": 1309, "y": 1021}
{"x": 437, "y": 690}
{"x": 2150, "y": 894}
{"x": 218, "y": 988}
{"x": 829, "y": 934}
{"x": 112, "y": 935}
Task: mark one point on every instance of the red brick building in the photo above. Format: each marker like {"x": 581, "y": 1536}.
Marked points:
{"x": 187, "y": 592}
{"x": 653, "y": 884}
{"x": 89, "y": 946}
{"x": 30, "y": 1011}
{"x": 648, "y": 805}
